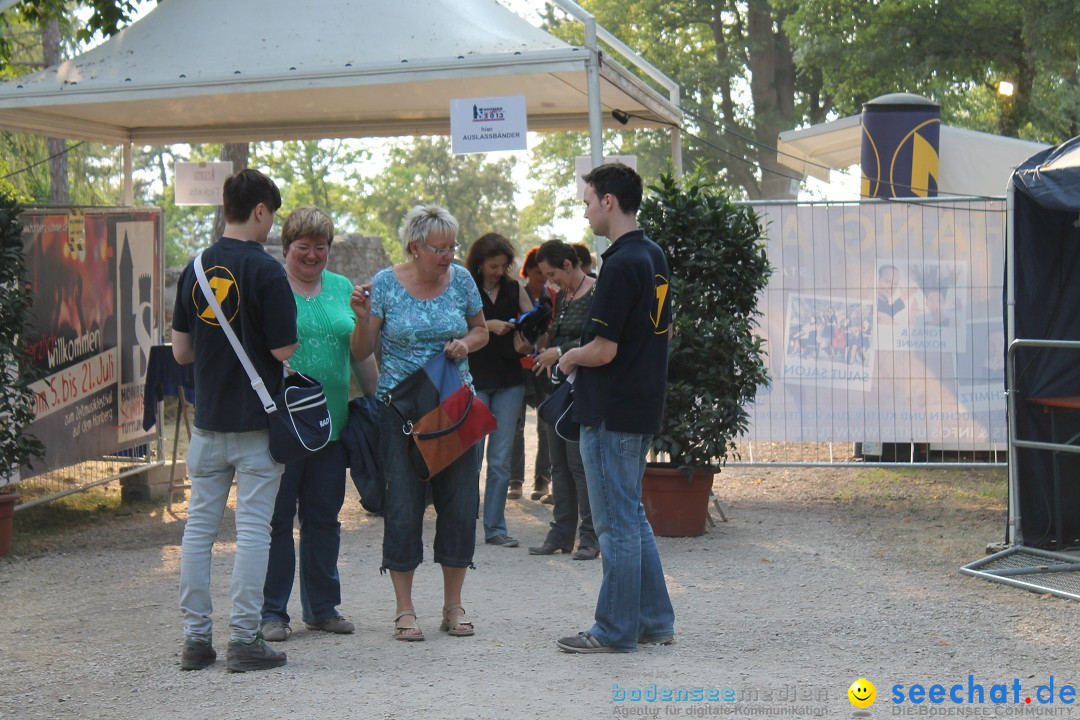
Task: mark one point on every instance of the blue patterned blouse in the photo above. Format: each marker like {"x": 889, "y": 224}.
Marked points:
{"x": 413, "y": 331}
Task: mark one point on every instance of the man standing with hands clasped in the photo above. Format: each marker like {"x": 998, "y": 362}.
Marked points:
{"x": 619, "y": 401}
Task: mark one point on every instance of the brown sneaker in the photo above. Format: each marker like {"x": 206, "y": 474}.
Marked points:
{"x": 276, "y": 631}
{"x": 540, "y": 489}
{"x": 336, "y": 624}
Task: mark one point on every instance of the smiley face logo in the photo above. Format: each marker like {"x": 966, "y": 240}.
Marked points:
{"x": 862, "y": 693}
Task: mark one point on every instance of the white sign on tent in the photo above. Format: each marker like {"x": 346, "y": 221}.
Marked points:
{"x": 200, "y": 183}
{"x": 488, "y": 124}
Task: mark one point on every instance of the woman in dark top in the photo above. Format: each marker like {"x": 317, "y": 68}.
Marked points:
{"x": 496, "y": 371}
{"x": 560, "y": 264}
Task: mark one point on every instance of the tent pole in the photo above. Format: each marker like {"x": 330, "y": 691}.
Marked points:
{"x": 676, "y": 152}
{"x": 129, "y": 185}
{"x": 676, "y": 136}
{"x": 1014, "y": 533}
{"x": 596, "y": 137}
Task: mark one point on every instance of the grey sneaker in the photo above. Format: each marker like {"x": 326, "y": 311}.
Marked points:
{"x": 585, "y": 642}
{"x": 336, "y": 624}
{"x": 256, "y": 655}
{"x": 656, "y": 640}
{"x": 502, "y": 541}
{"x": 276, "y": 631}
{"x": 197, "y": 654}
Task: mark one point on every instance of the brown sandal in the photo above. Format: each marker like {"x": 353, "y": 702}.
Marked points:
{"x": 400, "y": 627}
{"x": 453, "y": 625}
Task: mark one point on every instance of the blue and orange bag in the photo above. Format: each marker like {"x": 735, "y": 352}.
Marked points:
{"x": 441, "y": 415}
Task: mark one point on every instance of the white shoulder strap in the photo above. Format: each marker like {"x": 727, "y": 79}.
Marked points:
{"x": 256, "y": 382}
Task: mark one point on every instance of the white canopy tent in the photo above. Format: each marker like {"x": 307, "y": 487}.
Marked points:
{"x": 242, "y": 70}
{"x": 970, "y": 162}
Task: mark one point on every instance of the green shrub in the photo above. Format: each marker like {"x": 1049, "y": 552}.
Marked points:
{"x": 716, "y": 363}
{"x": 17, "y": 447}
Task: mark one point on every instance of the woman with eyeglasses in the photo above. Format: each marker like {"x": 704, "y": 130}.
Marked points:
{"x": 413, "y": 310}
{"x": 313, "y": 488}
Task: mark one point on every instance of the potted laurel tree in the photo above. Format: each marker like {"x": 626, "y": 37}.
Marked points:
{"x": 16, "y": 372}
{"x": 719, "y": 268}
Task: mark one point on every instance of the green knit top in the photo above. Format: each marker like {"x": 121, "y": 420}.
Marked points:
{"x": 324, "y": 324}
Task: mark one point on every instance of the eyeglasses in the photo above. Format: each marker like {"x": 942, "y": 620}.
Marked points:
{"x": 317, "y": 249}
{"x": 443, "y": 252}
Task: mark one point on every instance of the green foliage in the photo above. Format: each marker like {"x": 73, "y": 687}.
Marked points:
{"x": 954, "y": 52}
{"x": 716, "y": 362}
{"x": 187, "y": 228}
{"x": 313, "y": 172}
{"x": 107, "y": 17}
{"x": 739, "y": 84}
{"x": 477, "y": 191}
{"x": 17, "y": 447}
{"x": 552, "y": 167}
{"x": 95, "y": 170}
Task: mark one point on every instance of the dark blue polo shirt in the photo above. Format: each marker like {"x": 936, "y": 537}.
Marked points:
{"x": 631, "y": 306}
{"x": 255, "y": 295}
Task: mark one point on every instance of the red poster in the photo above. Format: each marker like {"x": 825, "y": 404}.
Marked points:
{"x": 95, "y": 275}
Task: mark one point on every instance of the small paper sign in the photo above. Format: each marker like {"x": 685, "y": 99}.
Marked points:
{"x": 488, "y": 124}
{"x": 199, "y": 183}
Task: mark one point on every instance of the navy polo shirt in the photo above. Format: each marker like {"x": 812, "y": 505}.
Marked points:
{"x": 255, "y": 296}
{"x": 631, "y": 306}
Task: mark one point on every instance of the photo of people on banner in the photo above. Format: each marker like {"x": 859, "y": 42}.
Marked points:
{"x": 920, "y": 306}
{"x": 828, "y": 342}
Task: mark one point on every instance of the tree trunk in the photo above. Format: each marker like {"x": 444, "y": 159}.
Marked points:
{"x": 238, "y": 154}
{"x": 772, "y": 87}
{"x": 57, "y": 147}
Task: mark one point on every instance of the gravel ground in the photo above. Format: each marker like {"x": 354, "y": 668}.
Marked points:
{"x": 819, "y": 578}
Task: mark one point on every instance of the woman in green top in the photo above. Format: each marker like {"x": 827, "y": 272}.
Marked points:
{"x": 313, "y": 488}
{"x": 560, "y": 264}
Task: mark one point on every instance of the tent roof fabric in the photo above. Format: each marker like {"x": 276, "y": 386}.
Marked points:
{"x": 212, "y": 71}
{"x": 1052, "y": 177}
{"x": 970, "y": 162}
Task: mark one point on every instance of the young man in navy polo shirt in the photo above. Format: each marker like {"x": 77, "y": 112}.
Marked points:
{"x": 619, "y": 401}
{"x": 231, "y": 435}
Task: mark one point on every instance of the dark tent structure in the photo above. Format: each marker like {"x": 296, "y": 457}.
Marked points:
{"x": 1043, "y": 306}
{"x": 1042, "y": 324}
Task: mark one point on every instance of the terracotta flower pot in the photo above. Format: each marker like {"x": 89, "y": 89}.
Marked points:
{"x": 676, "y": 503}
{"x": 7, "y": 513}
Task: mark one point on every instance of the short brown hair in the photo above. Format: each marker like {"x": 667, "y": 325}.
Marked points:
{"x": 242, "y": 193}
{"x": 618, "y": 180}
{"x": 309, "y": 222}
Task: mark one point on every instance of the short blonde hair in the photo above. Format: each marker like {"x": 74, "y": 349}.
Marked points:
{"x": 423, "y": 221}
{"x": 306, "y": 222}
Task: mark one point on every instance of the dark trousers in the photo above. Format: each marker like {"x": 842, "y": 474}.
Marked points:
{"x": 571, "y": 494}
{"x": 536, "y": 389}
{"x": 312, "y": 489}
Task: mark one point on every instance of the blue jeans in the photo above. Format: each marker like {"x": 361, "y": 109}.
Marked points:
{"x": 455, "y": 492}
{"x": 212, "y": 460}
{"x": 505, "y": 404}
{"x": 316, "y": 485}
{"x": 633, "y": 598}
